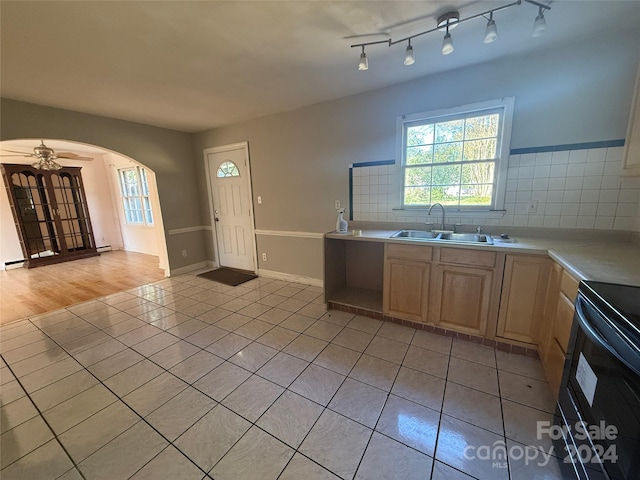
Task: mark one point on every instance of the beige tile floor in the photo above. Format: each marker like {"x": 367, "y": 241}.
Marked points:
{"x": 190, "y": 379}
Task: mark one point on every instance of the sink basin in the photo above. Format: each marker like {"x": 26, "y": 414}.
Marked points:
{"x": 417, "y": 234}
{"x": 444, "y": 237}
{"x": 467, "y": 238}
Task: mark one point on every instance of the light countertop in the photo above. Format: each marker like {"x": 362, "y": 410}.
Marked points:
{"x": 606, "y": 257}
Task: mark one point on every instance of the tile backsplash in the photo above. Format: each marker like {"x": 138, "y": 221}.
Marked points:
{"x": 570, "y": 189}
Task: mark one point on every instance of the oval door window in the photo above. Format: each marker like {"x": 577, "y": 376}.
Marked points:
{"x": 228, "y": 169}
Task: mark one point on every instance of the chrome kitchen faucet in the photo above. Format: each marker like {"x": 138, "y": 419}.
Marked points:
{"x": 437, "y": 205}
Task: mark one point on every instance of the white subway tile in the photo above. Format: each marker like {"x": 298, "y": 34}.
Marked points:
{"x": 543, "y": 158}
{"x": 571, "y": 196}
{"x": 578, "y": 156}
{"x": 557, "y": 183}
{"x": 573, "y": 183}
{"x": 514, "y": 161}
{"x": 625, "y": 209}
{"x": 589, "y": 196}
{"x": 623, "y": 223}
{"x": 612, "y": 168}
{"x": 555, "y": 196}
{"x": 512, "y": 173}
{"x": 528, "y": 160}
{"x": 576, "y": 169}
{"x": 558, "y": 170}
{"x": 512, "y": 185}
{"x": 520, "y": 220}
{"x": 525, "y": 184}
{"x": 610, "y": 181}
{"x": 586, "y": 221}
{"x": 604, "y": 223}
{"x": 553, "y": 208}
{"x": 568, "y": 221}
{"x": 629, "y": 195}
{"x": 552, "y": 221}
{"x": 521, "y": 209}
{"x": 596, "y": 155}
{"x": 510, "y": 197}
{"x": 609, "y": 195}
{"x": 558, "y": 158}
{"x": 588, "y": 209}
{"x": 596, "y": 168}
{"x": 365, "y": 180}
{"x": 540, "y": 184}
{"x": 615, "y": 154}
{"x": 536, "y": 221}
{"x": 373, "y": 189}
{"x": 539, "y": 195}
{"x": 357, "y": 180}
{"x": 523, "y": 195}
{"x": 606, "y": 209}
{"x": 364, "y": 189}
{"x": 542, "y": 171}
{"x": 525, "y": 172}
{"x": 570, "y": 209}
{"x": 506, "y": 219}
{"x": 592, "y": 183}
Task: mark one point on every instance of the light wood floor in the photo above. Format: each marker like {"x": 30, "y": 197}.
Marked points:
{"x": 25, "y": 292}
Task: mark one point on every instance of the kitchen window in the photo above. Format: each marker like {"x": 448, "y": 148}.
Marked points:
{"x": 134, "y": 189}
{"x": 457, "y": 157}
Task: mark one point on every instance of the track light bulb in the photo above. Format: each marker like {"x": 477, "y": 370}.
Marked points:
{"x": 447, "y": 44}
{"x": 364, "y": 63}
{"x": 491, "y": 32}
{"x": 540, "y": 25}
{"x": 409, "y": 59}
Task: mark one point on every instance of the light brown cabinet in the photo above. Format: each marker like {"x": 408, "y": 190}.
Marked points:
{"x": 407, "y": 272}
{"x": 556, "y": 327}
{"x": 452, "y": 288}
{"x": 524, "y": 291}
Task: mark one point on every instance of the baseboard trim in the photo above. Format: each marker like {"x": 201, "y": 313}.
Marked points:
{"x": 289, "y": 277}
{"x": 106, "y": 248}
{"x": 189, "y": 268}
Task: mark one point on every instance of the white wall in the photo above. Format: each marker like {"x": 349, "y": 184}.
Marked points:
{"x": 99, "y": 202}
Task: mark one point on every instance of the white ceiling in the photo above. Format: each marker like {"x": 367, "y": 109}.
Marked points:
{"x": 192, "y": 66}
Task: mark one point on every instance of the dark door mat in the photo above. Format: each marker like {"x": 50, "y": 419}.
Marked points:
{"x": 228, "y": 276}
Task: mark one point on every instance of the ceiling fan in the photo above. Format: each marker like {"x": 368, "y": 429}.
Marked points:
{"x": 46, "y": 156}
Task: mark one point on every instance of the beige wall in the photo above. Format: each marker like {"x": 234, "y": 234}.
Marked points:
{"x": 168, "y": 153}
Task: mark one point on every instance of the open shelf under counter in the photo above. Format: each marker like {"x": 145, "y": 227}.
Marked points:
{"x": 358, "y": 298}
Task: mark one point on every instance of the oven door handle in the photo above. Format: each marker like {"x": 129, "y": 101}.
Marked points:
{"x": 613, "y": 343}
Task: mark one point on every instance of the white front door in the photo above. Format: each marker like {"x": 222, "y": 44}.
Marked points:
{"x": 232, "y": 209}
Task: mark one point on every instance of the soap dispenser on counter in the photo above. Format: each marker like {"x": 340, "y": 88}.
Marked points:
{"x": 341, "y": 223}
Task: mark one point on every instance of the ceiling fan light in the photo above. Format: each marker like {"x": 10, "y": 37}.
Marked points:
{"x": 364, "y": 63}
{"x": 409, "y": 59}
{"x": 491, "y": 32}
{"x": 447, "y": 44}
{"x": 540, "y": 25}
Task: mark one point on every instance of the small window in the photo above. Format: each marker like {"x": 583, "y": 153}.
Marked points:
{"x": 456, "y": 157}
{"x": 134, "y": 189}
{"x": 228, "y": 169}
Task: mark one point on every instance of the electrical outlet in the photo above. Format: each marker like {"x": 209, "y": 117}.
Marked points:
{"x": 337, "y": 204}
{"x": 259, "y": 199}
{"x": 184, "y": 253}
{"x": 264, "y": 257}
{"x": 533, "y": 206}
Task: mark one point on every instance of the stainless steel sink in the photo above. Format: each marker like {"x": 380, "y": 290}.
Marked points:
{"x": 417, "y": 234}
{"x": 476, "y": 238}
{"x": 467, "y": 238}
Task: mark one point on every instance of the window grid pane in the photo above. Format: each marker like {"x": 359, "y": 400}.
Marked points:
{"x": 451, "y": 162}
{"x": 134, "y": 189}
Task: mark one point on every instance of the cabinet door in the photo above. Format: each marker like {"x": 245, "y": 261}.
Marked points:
{"x": 551, "y": 302}
{"x": 461, "y": 298}
{"x": 406, "y": 289}
{"x": 522, "y": 302}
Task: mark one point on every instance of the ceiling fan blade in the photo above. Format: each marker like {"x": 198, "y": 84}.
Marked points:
{"x": 26, "y": 154}
{"x": 72, "y": 156}
{"x": 17, "y": 155}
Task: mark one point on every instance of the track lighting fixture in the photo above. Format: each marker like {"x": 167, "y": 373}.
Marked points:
{"x": 447, "y": 44}
{"x": 409, "y": 59}
{"x": 364, "y": 63}
{"x": 451, "y": 20}
{"x": 540, "y": 24}
{"x": 491, "y": 32}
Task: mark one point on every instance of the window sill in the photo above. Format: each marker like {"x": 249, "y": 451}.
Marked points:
{"x": 458, "y": 213}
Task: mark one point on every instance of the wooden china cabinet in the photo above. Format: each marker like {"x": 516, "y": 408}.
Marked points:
{"x": 50, "y": 212}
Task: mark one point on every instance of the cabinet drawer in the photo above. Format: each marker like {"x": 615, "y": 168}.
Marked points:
{"x": 463, "y": 256}
{"x": 569, "y": 286}
{"x": 563, "y": 321}
{"x": 409, "y": 252}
